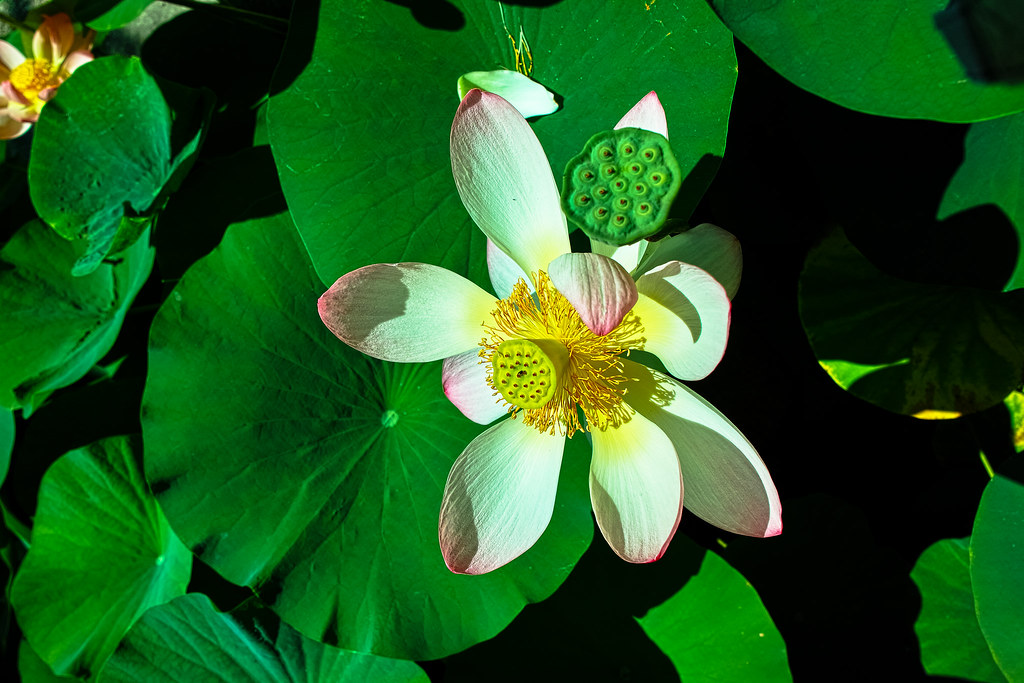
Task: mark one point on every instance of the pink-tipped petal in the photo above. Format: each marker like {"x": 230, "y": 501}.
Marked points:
{"x": 647, "y": 114}
{"x": 53, "y": 39}
{"x": 10, "y": 57}
{"x": 12, "y": 128}
{"x": 636, "y": 489}
{"x": 77, "y": 59}
{"x": 406, "y": 312}
{"x": 685, "y": 314}
{"x": 464, "y": 378}
{"x": 600, "y": 289}
{"x": 12, "y": 94}
{"x": 505, "y": 181}
{"x": 499, "y": 497}
{"x": 706, "y": 246}
{"x": 727, "y": 483}
{"x": 504, "y": 272}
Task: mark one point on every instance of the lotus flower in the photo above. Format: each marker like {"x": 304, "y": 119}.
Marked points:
{"x": 28, "y": 83}
{"x": 549, "y": 356}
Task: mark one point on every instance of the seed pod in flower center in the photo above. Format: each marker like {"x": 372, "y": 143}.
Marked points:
{"x": 34, "y": 75}
{"x": 525, "y": 375}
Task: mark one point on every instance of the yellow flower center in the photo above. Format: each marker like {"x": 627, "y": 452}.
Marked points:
{"x": 34, "y": 75}
{"x": 548, "y": 365}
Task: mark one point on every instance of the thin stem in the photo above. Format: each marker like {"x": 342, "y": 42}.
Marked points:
{"x": 206, "y": 6}
{"x": 7, "y": 19}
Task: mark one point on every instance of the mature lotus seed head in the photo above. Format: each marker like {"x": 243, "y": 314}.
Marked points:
{"x": 526, "y": 373}
{"x": 612, "y": 165}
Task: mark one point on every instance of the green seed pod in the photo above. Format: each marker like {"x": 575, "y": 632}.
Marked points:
{"x": 613, "y": 172}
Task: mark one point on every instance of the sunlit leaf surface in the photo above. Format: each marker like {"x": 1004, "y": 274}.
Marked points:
{"x": 294, "y": 464}
{"x": 188, "y": 640}
{"x": 102, "y": 553}
{"x": 361, "y": 139}
{"x": 882, "y": 57}
{"x": 717, "y": 629}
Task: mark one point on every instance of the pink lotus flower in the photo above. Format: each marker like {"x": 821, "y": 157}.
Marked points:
{"x": 29, "y": 83}
{"x": 554, "y": 348}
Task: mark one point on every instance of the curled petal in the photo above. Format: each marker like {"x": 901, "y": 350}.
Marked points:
{"x": 600, "y": 289}
{"x": 12, "y": 94}
{"x": 706, "y": 246}
{"x": 636, "y": 489}
{"x": 627, "y": 255}
{"x": 504, "y": 272}
{"x": 406, "y": 312}
{"x": 505, "y": 182}
{"x": 499, "y": 497}
{"x": 54, "y": 38}
{"x": 647, "y": 114}
{"x": 464, "y": 378}
{"x": 727, "y": 483}
{"x": 522, "y": 92}
{"x": 685, "y": 315}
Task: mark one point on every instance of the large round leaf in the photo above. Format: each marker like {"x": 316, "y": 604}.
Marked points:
{"x": 716, "y": 629}
{"x": 291, "y": 463}
{"x": 883, "y": 57}
{"x": 55, "y": 326}
{"x": 947, "y": 628}
{"x": 361, "y": 138}
{"x": 188, "y": 640}
{"x": 997, "y": 565}
{"x": 912, "y": 348}
{"x": 102, "y": 146}
{"x": 992, "y": 173}
{"x": 101, "y": 555}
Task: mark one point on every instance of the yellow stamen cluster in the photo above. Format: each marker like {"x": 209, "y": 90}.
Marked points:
{"x": 588, "y": 371}
{"x": 34, "y": 75}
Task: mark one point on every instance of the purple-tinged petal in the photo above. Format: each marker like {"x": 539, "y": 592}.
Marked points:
{"x": 505, "y": 181}
{"x": 10, "y": 57}
{"x": 464, "y": 378}
{"x": 406, "y": 312}
{"x": 504, "y": 272}
{"x": 706, "y": 246}
{"x": 636, "y": 489}
{"x": 727, "y": 483}
{"x": 600, "y": 289}
{"x": 685, "y": 315}
{"x": 647, "y": 114}
{"x": 499, "y": 497}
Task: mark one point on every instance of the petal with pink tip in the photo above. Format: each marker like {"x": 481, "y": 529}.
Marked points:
{"x": 505, "y": 181}
{"x": 464, "y": 378}
{"x": 12, "y": 94}
{"x": 600, "y": 289}
{"x": 10, "y": 57}
{"x": 53, "y": 39}
{"x": 706, "y": 246}
{"x": 727, "y": 483}
{"x": 647, "y": 114}
{"x": 499, "y": 497}
{"x": 406, "y": 312}
{"x": 685, "y": 315}
{"x": 12, "y": 128}
{"x": 504, "y": 272}
{"x": 636, "y": 489}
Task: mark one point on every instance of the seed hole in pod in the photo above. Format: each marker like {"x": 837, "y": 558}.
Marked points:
{"x": 643, "y": 208}
{"x": 619, "y": 185}
{"x": 586, "y": 174}
{"x": 606, "y": 152}
{"x": 623, "y": 203}
{"x": 602, "y": 191}
{"x": 627, "y": 149}
{"x": 649, "y": 154}
{"x": 601, "y": 212}
{"x": 582, "y": 200}
{"x": 638, "y": 189}
{"x": 609, "y": 170}
{"x": 619, "y": 220}
{"x": 657, "y": 179}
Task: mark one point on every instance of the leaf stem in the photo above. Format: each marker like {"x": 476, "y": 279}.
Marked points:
{"x": 242, "y": 13}
{"x": 7, "y": 19}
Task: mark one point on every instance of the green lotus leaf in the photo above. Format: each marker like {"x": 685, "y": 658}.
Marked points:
{"x": 293, "y": 464}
